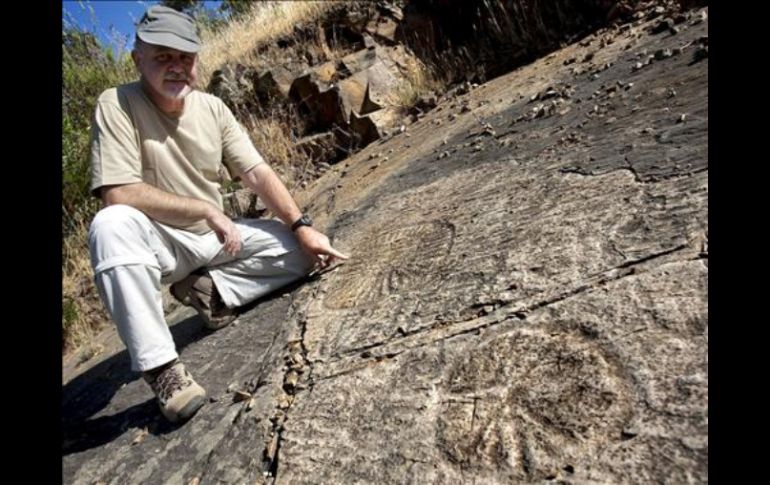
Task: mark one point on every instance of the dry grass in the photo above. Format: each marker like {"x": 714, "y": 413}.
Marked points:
{"x": 418, "y": 80}
{"x": 272, "y": 135}
{"x": 83, "y": 315}
{"x": 239, "y": 41}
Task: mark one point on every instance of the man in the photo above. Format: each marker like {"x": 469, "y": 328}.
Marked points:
{"x": 157, "y": 149}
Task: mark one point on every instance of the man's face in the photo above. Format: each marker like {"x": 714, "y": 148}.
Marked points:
{"x": 168, "y": 72}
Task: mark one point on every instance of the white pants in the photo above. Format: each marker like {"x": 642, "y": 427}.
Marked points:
{"x": 132, "y": 255}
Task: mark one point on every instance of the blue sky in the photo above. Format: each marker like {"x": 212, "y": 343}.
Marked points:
{"x": 112, "y": 21}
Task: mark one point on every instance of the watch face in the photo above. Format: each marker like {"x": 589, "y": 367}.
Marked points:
{"x": 306, "y": 220}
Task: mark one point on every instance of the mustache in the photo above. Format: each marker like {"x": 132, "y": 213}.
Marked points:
{"x": 176, "y": 77}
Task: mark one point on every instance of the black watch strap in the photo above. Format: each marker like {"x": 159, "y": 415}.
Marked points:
{"x": 302, "y": 221}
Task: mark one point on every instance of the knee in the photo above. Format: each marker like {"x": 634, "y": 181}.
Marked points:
{"x": 116, "y": 221}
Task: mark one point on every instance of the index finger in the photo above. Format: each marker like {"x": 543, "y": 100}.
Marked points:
{"x": 333, "y": 252}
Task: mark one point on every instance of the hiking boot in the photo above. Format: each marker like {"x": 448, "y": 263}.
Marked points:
{"x": 198, "y": 291}
{"x": 179, "y": 396}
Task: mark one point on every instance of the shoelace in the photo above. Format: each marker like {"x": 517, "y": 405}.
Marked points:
{"x": 169, "y": 381}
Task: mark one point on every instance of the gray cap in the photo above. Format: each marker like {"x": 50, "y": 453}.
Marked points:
{"x": 169, "y": 28}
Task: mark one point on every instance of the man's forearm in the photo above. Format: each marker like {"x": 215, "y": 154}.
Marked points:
{"x": 266, "y": 184}
{"x": 159, "y": 205}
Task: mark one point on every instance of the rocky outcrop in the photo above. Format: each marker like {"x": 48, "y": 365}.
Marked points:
{"x": 465, "y": 42}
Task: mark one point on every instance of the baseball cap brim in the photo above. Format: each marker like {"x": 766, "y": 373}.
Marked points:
{"x": 167, "y": 39}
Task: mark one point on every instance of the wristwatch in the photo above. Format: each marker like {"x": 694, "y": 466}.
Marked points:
{"x": 305, "y": 220}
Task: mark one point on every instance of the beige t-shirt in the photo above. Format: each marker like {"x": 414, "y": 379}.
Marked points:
{"x": 134, "y": 141}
